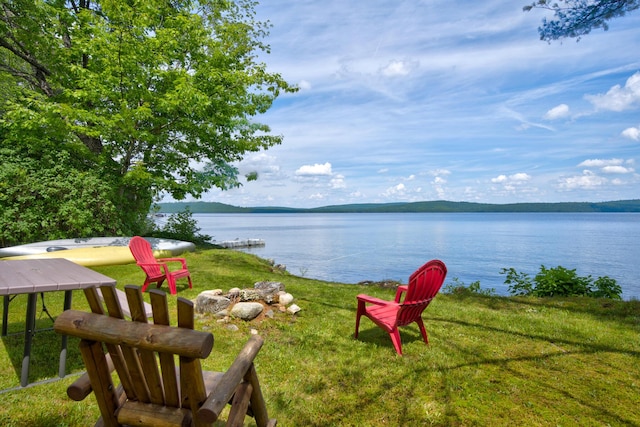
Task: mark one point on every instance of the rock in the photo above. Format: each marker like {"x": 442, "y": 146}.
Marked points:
{"x": 269, "y": 290}
{"x": 285, "y": 299}
{"x": 269, "y": 314}
{"x": 293, "y": 309}
{"x": 232, "y": 328}
{"x": 221, "y": 313}
{"x": 250, "y": 295}
{"x": 273, "y": 287}
{"x": 211, "y": 302}
{"x": 247, "y": 310}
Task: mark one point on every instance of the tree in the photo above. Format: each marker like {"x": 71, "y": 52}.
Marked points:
{"x": 145, "y": 96}
{"x": 576, "y": 18}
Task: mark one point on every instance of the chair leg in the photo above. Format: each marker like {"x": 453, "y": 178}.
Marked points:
{"x": 395, "y": 339}
{"x": 423, "y": 331}
{"x": 360, "y": 312}
{"x": 171, "y": 281}
{"x": 190, "y": 284}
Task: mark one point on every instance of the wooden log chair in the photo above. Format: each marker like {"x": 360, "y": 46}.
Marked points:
{"x": 152, "y": 392}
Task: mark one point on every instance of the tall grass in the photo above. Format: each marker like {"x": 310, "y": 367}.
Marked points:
{"x": 491, "y": 361}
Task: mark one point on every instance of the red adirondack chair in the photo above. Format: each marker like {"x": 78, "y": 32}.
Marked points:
{"x": 423, "y": 286}
{"x": 157, "y": 270}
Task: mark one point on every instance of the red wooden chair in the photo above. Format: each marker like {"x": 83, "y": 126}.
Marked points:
{"x": 157, "y": 270}
{"x": 423, "y": 286}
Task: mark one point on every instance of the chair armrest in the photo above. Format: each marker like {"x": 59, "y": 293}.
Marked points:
{"x": 148, "y": 264}
{"x": 180, "y": 260}
{"x": 399, "y": 291}
{"x": 372, "y": 300}
{"x": 81, "y": 388}
{"x": 220, "y": 396}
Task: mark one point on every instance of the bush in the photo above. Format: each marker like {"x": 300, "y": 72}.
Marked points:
{"x": 459, "y": 288}
{"x": 560, "y": 281}
{"x": 182, "y": 226}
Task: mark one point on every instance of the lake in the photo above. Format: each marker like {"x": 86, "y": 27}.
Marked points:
{"x": 350, "y": 248}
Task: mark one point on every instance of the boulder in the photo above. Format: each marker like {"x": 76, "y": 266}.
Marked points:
{"x": 211, "y": 302}
{"x": 269, "y": 290}
{"x": 272, "y": 287}
{"x": 247, "y": 310}
{"x": 285, "y": 298}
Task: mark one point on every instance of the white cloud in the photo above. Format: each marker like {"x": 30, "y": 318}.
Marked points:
{"x": 601, "y": 163}
{"x": 304, "y": 85}
{"x": 398, "y": 68}
{"x": 337, "y": 182}
{"x": 619, "y": 98}
{"x": 262, "y": 163}
{"x": 315, "y": 170}
{"x": 617, "y": 169}
{"x": 515, "y": 178}
{"x": 632, "y": 133}
{"x": 394, "y": 191}
{"x": 587, "y": 181}
{"x": 437, "y": 172}
{"x": 609, "y": 165}
{"x": 558, "y": 112}
{"x": 520, "y": 177}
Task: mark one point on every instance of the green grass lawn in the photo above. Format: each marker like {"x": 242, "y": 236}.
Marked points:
{"x": 491, "y": 361}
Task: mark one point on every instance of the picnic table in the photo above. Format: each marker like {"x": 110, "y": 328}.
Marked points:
{"x": 36, "y": 276}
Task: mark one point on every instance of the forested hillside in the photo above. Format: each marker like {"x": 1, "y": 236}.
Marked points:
{"x": 433, "y": 206}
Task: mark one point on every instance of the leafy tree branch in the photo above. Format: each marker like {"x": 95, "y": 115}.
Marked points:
{"x": 576, "y": 18}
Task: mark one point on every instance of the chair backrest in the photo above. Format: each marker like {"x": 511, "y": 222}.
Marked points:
{"x": 143, "y": 254}
{"x": 423, "y": 286}
{"x": 143, "y": 355}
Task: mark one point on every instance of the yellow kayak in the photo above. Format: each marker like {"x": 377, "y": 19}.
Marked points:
{"x": 93, "y": 256}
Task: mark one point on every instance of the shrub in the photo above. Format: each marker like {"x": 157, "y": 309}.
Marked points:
{"x": 458, "y": 287}
{"x": 560, "y": 281}
{"x": 182, "y": 226}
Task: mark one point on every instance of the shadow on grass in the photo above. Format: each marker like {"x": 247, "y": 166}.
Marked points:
{"x": 625, "y": 312}
{"x": 46, "y": 347}
{"x": 378, "y": 336}
{"x": 564, "y": 347}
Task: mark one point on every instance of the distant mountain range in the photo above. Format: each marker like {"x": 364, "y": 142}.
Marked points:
{"x": 434, "y": 206}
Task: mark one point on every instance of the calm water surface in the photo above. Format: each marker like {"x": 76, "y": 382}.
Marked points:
{"x": 350, "y": 248}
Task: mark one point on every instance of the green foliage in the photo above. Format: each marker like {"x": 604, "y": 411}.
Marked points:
{"x": 45, "y": 201}
{"x": 458, "y": 287}
{"x": 182, "y": 226}
{"x": 575, "y": 18}
{"x": 150, "y": 97}
{"x": 606, "y": 287}
{"x": 560, "y": 281}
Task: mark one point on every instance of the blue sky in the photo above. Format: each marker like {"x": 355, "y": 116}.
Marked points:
{"x": 404, "y": 101}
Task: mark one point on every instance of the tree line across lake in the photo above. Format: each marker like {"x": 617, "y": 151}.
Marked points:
{"x": 427, "y": 206}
